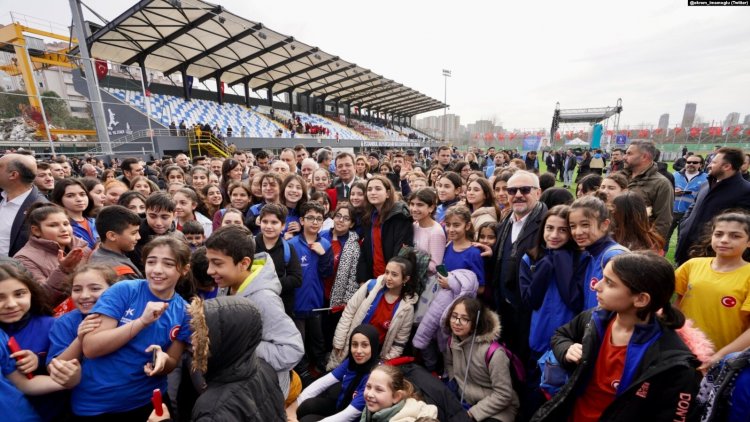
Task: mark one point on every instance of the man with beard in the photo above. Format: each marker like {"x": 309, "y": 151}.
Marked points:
{"x": 725, "y": 189}
{"x": 644, "y": 178}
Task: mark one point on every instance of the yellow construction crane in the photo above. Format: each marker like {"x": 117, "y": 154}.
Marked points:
{"x": 27, "y": 59}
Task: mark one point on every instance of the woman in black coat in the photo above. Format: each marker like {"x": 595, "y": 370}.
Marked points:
{"x": 387, "y": 226}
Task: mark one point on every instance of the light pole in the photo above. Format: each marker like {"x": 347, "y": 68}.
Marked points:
{"x": 446, "y": 75}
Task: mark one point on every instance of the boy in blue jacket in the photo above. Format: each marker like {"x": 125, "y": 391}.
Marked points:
{"x": 316, "y": 258}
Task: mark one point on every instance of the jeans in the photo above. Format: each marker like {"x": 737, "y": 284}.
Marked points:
{"x": 568, "y": 178}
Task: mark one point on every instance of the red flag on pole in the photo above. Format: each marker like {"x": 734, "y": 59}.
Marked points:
{"x": 101, "y": 68}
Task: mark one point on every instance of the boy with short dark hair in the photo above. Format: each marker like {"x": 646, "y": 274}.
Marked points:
{"x": 159, "y": 221}
{"x": 316, "y": 259}
{"x": 194, "y": 234}
{"x": 238, "y": 270}
{"x": 285, "y": 258}
{"x": 118, "y": 228}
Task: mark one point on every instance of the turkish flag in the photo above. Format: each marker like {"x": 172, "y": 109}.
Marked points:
{"x": 678, "y": 130}
{"x": 221, "y": 89}
{"x": 101, "y": 68}
{"x": 557, "y": 136}
{"x": 695, "y": 131}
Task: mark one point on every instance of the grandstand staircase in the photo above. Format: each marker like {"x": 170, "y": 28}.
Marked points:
{"x": 206, "y": 144}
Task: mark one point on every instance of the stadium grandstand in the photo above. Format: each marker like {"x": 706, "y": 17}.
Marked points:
{"x": 192, "y": 42}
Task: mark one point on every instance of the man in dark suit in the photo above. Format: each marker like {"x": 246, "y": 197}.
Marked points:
{"x": 516, "y": 234}
{"x": 725, "y": 189}
{"x": 17, "y": 174}
{"x": 346, "y": 175}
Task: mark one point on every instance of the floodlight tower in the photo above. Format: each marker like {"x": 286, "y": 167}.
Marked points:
{"x": 446, "y": 75}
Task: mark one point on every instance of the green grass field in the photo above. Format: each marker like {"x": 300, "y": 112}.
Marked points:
{"x": 672, "y": 241}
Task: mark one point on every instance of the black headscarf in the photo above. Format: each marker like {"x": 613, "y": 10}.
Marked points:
{"x": 362, "y": 369}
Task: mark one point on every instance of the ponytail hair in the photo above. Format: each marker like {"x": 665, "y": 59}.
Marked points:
{"x": 398, "y": 381}
{"x": 647, "y": 272}
{"x": 408, "y": 264}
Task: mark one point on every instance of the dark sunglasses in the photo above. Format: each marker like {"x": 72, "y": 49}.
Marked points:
{"x": 693, "y": 162}
{"x": 525, "y": 190}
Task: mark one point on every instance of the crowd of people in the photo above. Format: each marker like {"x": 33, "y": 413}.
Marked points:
{"x": 397, "y": 286}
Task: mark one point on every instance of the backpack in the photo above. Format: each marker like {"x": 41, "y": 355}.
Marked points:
{"x": 517, "y": 370}
{"x": 718, "y": 386}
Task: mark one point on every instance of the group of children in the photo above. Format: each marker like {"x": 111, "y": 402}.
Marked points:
{"x": 344, "y": 288}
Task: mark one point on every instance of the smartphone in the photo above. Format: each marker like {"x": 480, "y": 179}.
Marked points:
{"x": 154, "y": 354}
{"x": 441, "y": 270}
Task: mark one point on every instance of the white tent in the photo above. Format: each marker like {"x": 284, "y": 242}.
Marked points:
{"x": 577, "y": 142}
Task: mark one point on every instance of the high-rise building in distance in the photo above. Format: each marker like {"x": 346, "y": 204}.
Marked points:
{"x": 664, "y": 121}
{"x": 688, "y": 117}
{"x": 733, "y": 119}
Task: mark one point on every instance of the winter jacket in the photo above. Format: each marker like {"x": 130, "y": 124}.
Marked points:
{"x": 240, "y": 386}
{"x": 80, "y": 232}
{"x": 290, "y": 274}
{"x": 553, "y": 288}
{"x": 123, "y": 266}
{"x": 462, "y": 283}
{"x": 600, "y": 252}
{"x": 315, "y": 268}
{"x": 713, "y": 198}
{"x": 684, "y": 201}
{"x": 659, "y": 195}
{"x": 281, "y": 344}
{"x": 359, "y": 307}
{"x": 345, "y": 284}
{"x": 396, "y": 230}
{"x": 659, "y": 381}
{"x": 488, "y": 386}
{"x": 39, "y": 256}
{"x": 483, "y": 215}
{"x": 407, "y": 410}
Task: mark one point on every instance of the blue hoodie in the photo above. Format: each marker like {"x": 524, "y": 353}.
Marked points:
{"x": 315, "y": 268}
{"x": 601, "y": 252}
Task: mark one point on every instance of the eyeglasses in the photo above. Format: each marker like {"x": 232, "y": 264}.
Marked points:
{"x": 342, "y": 217}
{"x": 693, "y": 162}
{"x": 311, "y": 219}
{"x": 525, "y": 190}
{"x": 459, "y": 319}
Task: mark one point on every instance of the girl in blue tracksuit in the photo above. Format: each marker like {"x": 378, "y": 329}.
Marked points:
{"x": 589, "y": 226}
{"x": 626, "y": 360}
{"x": 293, "y": 195}
{"x": 551, "y": 280}
{"x": 448, "y": 188}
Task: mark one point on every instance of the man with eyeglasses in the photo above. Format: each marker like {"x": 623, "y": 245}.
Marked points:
{"x": 725, "y": 189}
{"x": 516, "y": 234}
{"x": 687, "y": 183}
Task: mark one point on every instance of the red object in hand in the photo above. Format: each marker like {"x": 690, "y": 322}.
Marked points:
{"x": 156, "y": 400}
{"x": 14, "y": 347}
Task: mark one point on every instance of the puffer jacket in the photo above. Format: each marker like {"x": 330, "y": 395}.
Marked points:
{"x": 357, "y": 309}
{"x": 281, "y": 344}
{"x": 39, "y": 256}
{"x": 483, "y": 215}
{"x": 659, "y": 381}
{"x": 408, "y": 410}
{"x": 395, "y": 231}
{"x": 489, "y": 386}
{"x": 240, "y": 386}
{"x": 461, "y": 283}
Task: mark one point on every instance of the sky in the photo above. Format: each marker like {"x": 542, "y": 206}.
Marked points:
{"x": 512, "y": 61}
